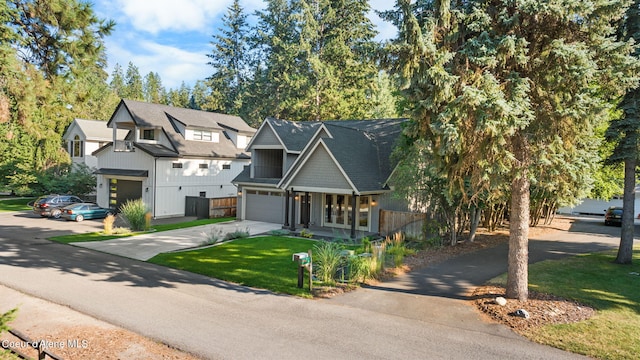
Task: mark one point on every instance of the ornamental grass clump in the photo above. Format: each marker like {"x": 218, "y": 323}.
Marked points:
{"x": 397, "y": 248}
{"x": 108, "y": 224}
{"x": 135, "y": 213}
{"x": 327, "y": 258}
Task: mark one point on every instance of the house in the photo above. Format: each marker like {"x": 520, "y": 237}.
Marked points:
{"x": 589, "y": 206}
{"x": 330, "y": 174}
{"x": 168, "y": 155}
{"x": 83, "y": 137}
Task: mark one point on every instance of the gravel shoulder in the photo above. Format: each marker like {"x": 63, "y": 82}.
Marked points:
{"x": 73, "y": 335}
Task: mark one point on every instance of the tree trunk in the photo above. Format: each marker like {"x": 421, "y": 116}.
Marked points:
{"x": 517, "y": 274}
{"x": 453, "y": 236}
{"x": 625, "y": 250}
{"x": 475, "y": 221}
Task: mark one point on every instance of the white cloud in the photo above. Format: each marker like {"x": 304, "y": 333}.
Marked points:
{"x": 385, "y": 29}
{"x": 182, "y": 15}
{"x": 174, "y": 65}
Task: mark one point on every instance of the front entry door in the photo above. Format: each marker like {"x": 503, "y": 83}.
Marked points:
{"x": 337, "y": 211}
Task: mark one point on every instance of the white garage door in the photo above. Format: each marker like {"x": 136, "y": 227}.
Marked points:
{"x": 264, "y": 206}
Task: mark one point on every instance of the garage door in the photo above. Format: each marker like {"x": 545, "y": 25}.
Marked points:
{"x": 264, "y": 206}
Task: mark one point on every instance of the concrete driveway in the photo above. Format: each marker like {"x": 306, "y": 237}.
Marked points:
{"x": 144, "y": 247}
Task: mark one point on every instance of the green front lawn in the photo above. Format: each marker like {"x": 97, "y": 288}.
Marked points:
{"x": 263, "y": 262}
{"x": 19, "y": 204}
{"x": 99, "y": 236}
{"x": 594, "y": 280}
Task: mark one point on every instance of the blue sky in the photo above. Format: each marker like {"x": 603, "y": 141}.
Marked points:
{"x": 172, "y": 37}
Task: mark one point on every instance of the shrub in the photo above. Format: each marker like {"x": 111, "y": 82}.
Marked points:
{"x": 108, "y": 224}
{"x": 238, "y": 234}
{"x": 326, "y": 260}
{"x": 121, "y": 231}
{"x": 360, "y": 268}
{"x": 306, "y": 234}
{"x": 135, "y": 213}
{"x": 397, "y": 249}
{"x": 216, "y": 234}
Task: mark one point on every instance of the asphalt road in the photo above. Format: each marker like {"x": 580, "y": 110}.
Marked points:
{"x": 418, "y": 316}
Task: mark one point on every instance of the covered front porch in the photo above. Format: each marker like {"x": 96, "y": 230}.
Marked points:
{"x": 331, "y": 214}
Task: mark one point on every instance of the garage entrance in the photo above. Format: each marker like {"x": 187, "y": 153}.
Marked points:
{"x": 267, "y": 206}
{"x": 120, "y": 191}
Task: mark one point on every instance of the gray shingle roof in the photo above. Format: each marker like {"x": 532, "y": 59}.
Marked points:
{"x": 97, "y": 130}
{"x": 294, "y": 134}
{"x": 168, "y": 117}
{"x": 362, "y": 148}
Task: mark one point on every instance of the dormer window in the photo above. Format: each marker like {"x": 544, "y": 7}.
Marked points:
{"x": 148, "y": 134}
{"x": 205, "y": 135}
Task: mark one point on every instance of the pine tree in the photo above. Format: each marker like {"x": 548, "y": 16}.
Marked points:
{"x": 337, "y": 40}
{"x": 117, "y": 81}
{"x": 229, "y": 59}
{"x": 504, "y": 92}
{"x": 625, "y": 133}
{"x": 153, "y": 90}
{"x": 133, "y": 85}
{"x": 278, "y": 81}
{"x": 52, "y": 63}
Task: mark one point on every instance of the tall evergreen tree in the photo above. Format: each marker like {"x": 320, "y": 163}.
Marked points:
{"x": 133, "y": 84}
{"x": 153, "y": 90}
{"x": 625, "y": 133}
{"x": 508, "y": 92}
{"x": 337, "y": 38}
{"x": 52, "y": 63}
{"x": 278, "y": 82}
{"x": 229, "y": 59}
{"x": 117, "y": 81}
{"x": 57, "y": 36}
{"x": 180, "y": 97}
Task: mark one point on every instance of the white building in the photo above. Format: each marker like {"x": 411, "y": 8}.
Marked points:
{"x": 170, "y": 154}
{"x": 83, "y": 137}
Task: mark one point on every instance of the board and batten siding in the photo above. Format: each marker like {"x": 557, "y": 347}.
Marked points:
{"x": 320, "y": 171}
{"x": 133, "y": 160}
{"x": 175, "y": 184}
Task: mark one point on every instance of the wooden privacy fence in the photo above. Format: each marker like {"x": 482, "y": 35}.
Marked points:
{"x": 411, "y": 224}
{"x": 206, "y": 208}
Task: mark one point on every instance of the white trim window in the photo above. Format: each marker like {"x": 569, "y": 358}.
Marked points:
{"x": 205, "y": 135}
{"x": 147, "y": 134}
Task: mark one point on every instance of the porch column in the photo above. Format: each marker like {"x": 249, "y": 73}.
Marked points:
{"x": 306, "y": 210}
{"x": 293, "y": 210}
{"x": 353, "y": 215}
{"x": 286, "y": 209}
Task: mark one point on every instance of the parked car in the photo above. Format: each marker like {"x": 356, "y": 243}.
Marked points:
{"x": 613, "y": 216}
{"x": 51, "y": 205}
{"x": 81, "y": 211}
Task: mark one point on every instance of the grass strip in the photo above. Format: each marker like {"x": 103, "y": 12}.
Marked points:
{"x": 15, "y": 204}
{"x": 99, "y": 236}
{"x": 264, "y": 262}
{"x": 594, "y": 280}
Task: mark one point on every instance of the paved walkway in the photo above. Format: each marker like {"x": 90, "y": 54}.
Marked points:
{"x": 144, "y": 247}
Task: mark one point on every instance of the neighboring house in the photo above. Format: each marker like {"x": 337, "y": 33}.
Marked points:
{"x": 599, "y": 207}
{"x": 83, "y": 137}
{"x": 328, "y": 174}
{"x": 170, "y": 154}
